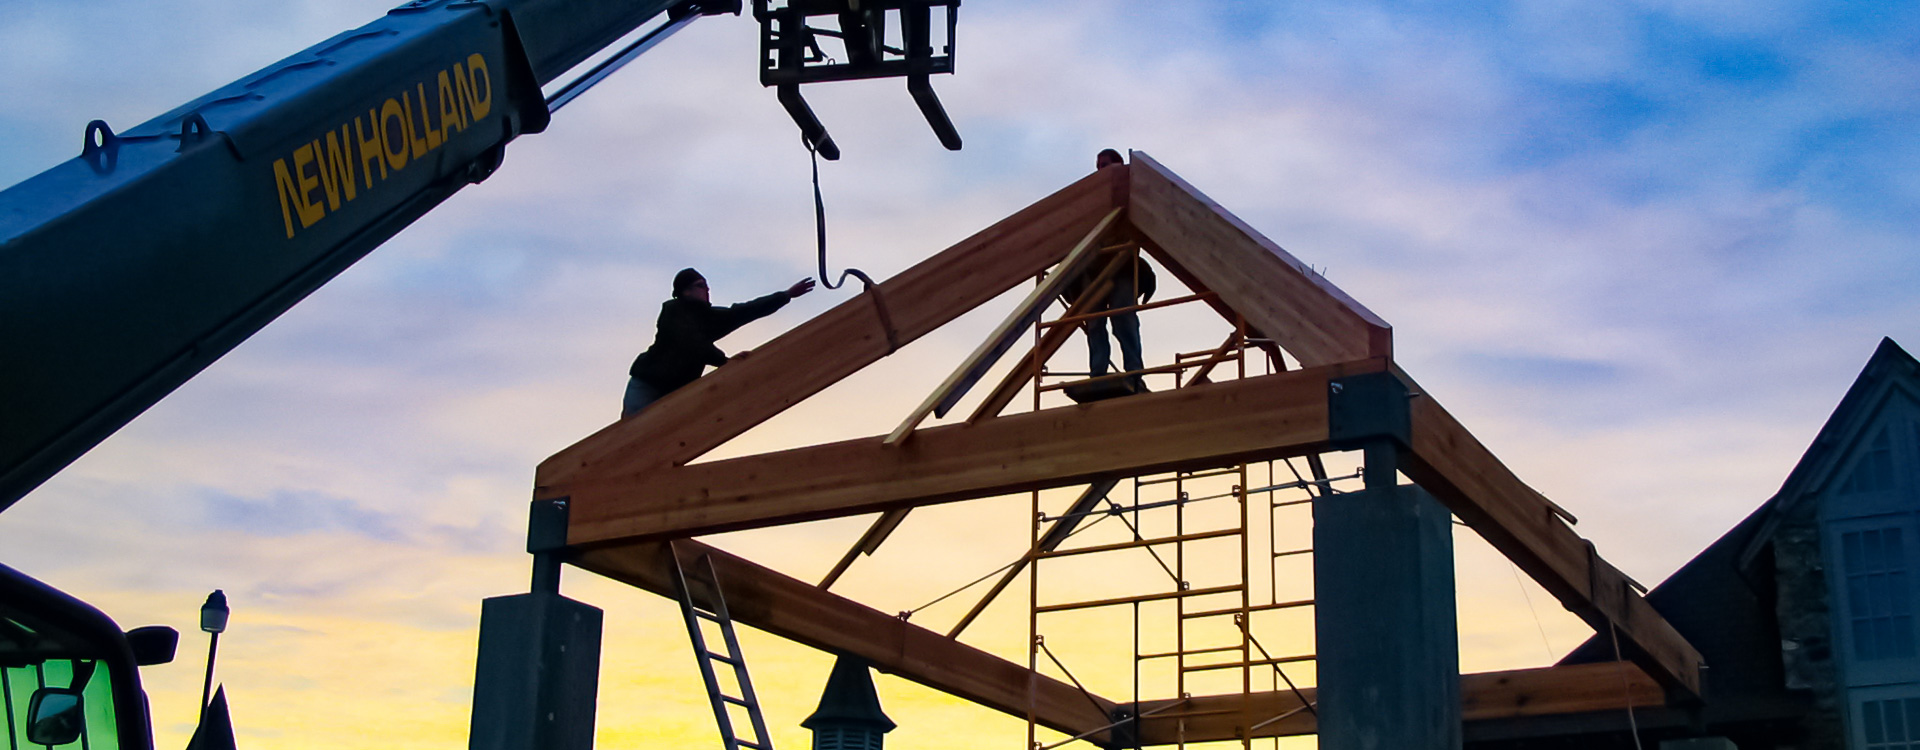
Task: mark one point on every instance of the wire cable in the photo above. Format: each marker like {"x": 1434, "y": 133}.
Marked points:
{"x": 1626, "y": 688}
{"x": 996, "y": 571}
{"x": 1536, "y": 613}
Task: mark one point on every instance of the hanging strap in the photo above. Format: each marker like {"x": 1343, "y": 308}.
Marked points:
{"x": 820, "y": 243}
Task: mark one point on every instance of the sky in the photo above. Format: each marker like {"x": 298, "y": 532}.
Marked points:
{"x": 1639, "y": 247}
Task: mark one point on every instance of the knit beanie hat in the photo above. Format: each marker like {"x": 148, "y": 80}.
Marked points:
{"x": 684, "y": 280}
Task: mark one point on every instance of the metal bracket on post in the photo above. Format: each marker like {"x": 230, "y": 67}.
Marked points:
{"x": 1125, "y": 734}
{"x": 546, "y": 540}
{"x": 1368, "y": 407}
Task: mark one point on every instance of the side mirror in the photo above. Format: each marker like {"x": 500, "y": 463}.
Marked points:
{"x": 153, "y": 644}
{"x": 54, "y": 716}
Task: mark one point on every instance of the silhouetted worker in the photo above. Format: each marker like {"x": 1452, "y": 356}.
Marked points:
{"x": 1132, "y": 282}
{"x": 683, "y": 345}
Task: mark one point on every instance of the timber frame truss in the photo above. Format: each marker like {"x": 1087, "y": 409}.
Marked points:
{"x": 631, "y": 494}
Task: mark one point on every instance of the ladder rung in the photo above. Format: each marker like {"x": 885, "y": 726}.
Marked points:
{"x": 1143, "y": 543}
{"x": 723, "y": 658}
{"x": 705, "y": 615}
{"x": 1191, "y": 652}
{"x": 741, "y": 702}
{"x": 1291, "y": 552}
{"x": 1252, "y": 663}
{"x": 1254, "y": 608}
{"x": 1140, "y": 598}
{"x": 755, "y": 745}
{"x": 1285, "y": 503}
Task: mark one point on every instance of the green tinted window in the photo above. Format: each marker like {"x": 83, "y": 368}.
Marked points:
{"x": 17, "y": 685}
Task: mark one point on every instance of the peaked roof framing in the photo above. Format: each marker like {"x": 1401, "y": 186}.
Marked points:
{"x": 631, "y": 486}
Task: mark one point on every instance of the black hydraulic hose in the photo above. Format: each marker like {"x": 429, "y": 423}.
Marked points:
{"x": 820, "y": 228}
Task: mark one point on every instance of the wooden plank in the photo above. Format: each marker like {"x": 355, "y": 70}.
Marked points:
{"x": 1280, "y": 296}
{"x": 868, "y": 543}
{"x": 1029, "y": 365}
{"x": 1451, "y": 464}
{"x": 1579, "y": 688}
{"x": 768, "y": 600}
{"x": 1271, "y": 416}
{"x": 839, "y": 342}
{"x": 997, "y": 343}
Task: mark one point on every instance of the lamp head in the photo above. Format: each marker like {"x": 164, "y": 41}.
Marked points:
{"x": 213, "y": 614}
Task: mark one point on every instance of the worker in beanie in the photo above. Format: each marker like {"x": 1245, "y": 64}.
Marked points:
{"x": 683, "y": 345}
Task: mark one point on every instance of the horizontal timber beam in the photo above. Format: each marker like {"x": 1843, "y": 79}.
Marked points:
{"x": 1451, "y": 464}
{"x": 820, "y": 352}
{"x": 771, "y": 601}
{"x": 1271, "y": 416}
{"x": 1485, "y": 696}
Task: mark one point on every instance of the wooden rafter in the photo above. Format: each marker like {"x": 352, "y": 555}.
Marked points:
{"x": 1451, "y": 464}
{"x": 1279, "y": 295}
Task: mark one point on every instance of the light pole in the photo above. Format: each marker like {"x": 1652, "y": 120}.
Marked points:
{"x": 213, "y": 619}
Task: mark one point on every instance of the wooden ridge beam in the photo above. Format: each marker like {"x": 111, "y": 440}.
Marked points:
{"x": 822, "y": 351}
{"x": 798, "y": 611}
{"x": 1271, "y": 416}
{"x": 1450, "y": 463}
{"x": 1485, "y": 696}
{"x": 1280, "y": 296}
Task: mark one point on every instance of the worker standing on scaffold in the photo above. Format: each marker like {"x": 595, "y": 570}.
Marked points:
{"x": 683, "y": 345}
{"x": 1128, "y": 284}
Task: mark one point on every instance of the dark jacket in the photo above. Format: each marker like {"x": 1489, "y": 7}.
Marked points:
{"x": 1122, "y": 280}
{"x": 683, "y": 345}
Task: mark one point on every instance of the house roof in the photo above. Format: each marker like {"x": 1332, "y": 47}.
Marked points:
{"x": 1724, "y": 599}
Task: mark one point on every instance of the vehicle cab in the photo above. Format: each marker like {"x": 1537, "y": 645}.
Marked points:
{"x": 69, "y": 676}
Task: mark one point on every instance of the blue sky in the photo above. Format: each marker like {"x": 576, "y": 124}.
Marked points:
{"x": 1640, "y": 248}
